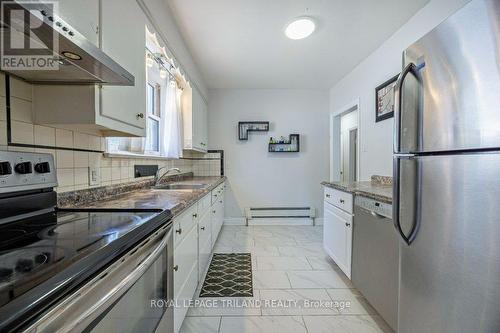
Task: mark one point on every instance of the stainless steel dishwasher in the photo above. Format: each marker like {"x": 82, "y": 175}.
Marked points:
{"x": 375, "y": 257}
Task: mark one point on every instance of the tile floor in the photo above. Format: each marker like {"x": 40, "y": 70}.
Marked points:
{"x": 297, "y": 288}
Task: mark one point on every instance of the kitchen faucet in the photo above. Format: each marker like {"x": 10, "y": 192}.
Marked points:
{"x": 159, "y": 178}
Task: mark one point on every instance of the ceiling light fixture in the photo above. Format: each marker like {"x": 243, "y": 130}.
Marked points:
{"x": 299, "y": 28}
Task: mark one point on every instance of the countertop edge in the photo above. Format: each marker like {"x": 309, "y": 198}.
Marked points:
{"x": 181, "y": 207}
{"x": 362, "y": 193}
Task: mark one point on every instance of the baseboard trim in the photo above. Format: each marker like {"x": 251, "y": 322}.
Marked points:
{"x": 242, "y": 221}
{"x": 281, "y": 221}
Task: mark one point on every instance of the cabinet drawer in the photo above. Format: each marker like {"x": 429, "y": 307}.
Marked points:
{"x": 204, "y": 230}
{"x": 185, "y": 258}
{"x": 204, "y": 205}
{"x": 184, "y": 223}
{"x": 340, "y": 199}
{"x": 217, "y": 193}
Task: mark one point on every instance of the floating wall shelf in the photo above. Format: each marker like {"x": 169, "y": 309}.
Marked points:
{"x": 251, "y": 126}
{"x": 292, "y": 145}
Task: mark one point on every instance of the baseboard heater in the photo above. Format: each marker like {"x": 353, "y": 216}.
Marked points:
{"x": 280, "y": 215}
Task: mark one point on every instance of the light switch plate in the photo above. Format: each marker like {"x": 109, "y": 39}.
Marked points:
{"x": 94, "y": 176}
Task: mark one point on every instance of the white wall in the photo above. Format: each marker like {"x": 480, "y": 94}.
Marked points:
{"x": 259, "y": 178}
{"x": 385, "y": 62}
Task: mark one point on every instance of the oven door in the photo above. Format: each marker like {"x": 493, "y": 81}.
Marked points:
{"x": 131, "y": 295}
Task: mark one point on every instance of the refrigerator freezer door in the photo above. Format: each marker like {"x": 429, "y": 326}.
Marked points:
{"x": 455, "y": 104}
{"x": 449, "y": 274}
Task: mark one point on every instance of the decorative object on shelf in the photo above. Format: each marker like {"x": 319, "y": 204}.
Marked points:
{"x": 282, "y": 145}
{"x": 251, "y": 126}
{"x": 384, "y": 100}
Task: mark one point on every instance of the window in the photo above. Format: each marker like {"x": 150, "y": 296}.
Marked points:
{"x": 153, "y": 95}
{"x": 163, "y": 120}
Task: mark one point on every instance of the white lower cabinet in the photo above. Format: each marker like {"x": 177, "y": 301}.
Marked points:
{"x": 204, "y": 243}
{"x": 195, "y": 232}
{"x": 337, "y": 236}
{"x": 217, "y": 217}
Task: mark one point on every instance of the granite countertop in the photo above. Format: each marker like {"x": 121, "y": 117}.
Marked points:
{"x": 374, "y": 190}
{"x": 148, "y": 198}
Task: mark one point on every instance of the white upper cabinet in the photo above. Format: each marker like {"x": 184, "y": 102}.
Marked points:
{"x": 111, "y": 110}
{"x": 195, "y": 118}
{"x": 83, "y": 15}
{"x": 123, "y": 38}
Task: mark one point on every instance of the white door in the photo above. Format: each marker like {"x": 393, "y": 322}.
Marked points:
{"x": 123, "y": 34}
{"x": 337, "y": 236}
{"x": 83, "y": 15}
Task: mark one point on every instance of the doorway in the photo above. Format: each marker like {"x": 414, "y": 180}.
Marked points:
{"x": 344, "y": 143}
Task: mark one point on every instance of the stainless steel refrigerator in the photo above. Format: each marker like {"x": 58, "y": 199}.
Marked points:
{"x": 447, "y": 175}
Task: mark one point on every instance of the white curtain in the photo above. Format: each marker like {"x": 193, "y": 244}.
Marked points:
{"x": 171, "y": 142}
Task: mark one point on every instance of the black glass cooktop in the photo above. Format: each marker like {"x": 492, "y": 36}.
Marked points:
{"x": 36, "y": 249}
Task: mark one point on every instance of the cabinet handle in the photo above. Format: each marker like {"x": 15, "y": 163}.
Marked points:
{"x": 176, "y": 268}
{"x": 342, "y": 201}
{"x": 214, "y": 211}
{"x": 195, "y": 215}
{"x": 347, "y": 224}
{"x": 328, "y": 195}
{"x": 179, "y": 231}
{"x": 202, "y": 228}
{"x": 220, "y": 201}
{"x": 140, "y": 115}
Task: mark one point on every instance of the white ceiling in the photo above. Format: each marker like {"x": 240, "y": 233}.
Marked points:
{"x": 241, "y": 44}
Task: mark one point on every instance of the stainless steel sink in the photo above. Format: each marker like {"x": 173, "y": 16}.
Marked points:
{"x": 179, "y": 186}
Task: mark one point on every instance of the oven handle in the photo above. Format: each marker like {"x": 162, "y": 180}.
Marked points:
{"x": 84, "y": 319}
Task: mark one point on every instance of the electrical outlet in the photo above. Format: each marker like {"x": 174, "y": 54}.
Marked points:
{"x": 94, "y": 176}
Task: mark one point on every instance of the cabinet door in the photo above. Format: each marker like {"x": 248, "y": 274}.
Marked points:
{"x": 83, "y": 15}
{"x": 216, "y": 221}
{"x": 337, "y": 237}
{"x": 204, "y": 243}
{"x": 123, "y": 34}
{"x": 185, "y": 274}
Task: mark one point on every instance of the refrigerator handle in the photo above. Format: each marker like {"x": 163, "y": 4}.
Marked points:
{"x": 395, "y": 199}
{"x": 395, "y": 202}
{"x": 413, "y": 69}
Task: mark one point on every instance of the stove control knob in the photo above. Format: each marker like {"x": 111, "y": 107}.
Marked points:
{"x": 43, "y": 167}
{"x": 23, "y": 168}
{"x": 5, "y": 168}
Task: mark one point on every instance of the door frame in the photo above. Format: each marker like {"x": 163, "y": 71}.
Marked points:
{"x": 335, "y": 145}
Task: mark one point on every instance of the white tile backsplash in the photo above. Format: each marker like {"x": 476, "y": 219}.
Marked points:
{"x": 22, "y": 132}
{"x": 45, "y": 136}
{"x": 64, "y": 138}
{"x": 21, "y": 89}
{"x": 20, "y": 110}
{"x": 65, "y": 159}
{"x": 81, "y": 140}
{"x": 72, "y": 166}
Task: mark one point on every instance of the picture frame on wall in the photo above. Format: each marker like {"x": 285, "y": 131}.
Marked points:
{"x": 384, "y": 99}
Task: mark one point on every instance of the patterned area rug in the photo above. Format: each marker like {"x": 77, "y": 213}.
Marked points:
{"x": 229, "y": 275}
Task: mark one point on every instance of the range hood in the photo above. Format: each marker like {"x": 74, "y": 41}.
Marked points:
{"x": 75, "y": 60}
